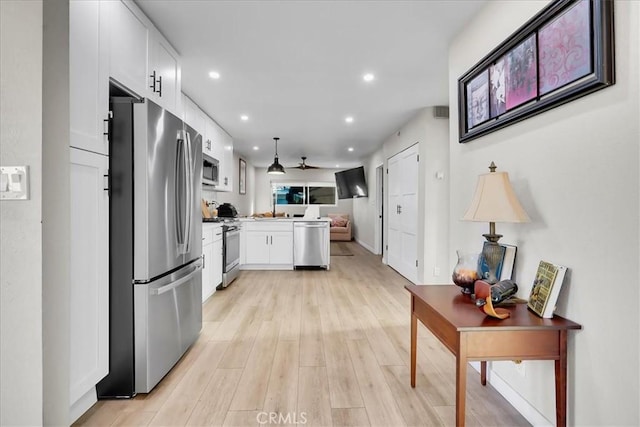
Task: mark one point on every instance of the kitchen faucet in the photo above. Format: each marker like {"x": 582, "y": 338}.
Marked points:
{"x": 275, "y": 199}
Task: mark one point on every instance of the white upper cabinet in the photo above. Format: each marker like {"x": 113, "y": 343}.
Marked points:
{"x": 219, "y": 145}
{"x": 164, "y": 73}
{"x": 89, "y": 76}
{"x": 141, "y": 59}
{"x": 128, "y": 47}
{"x": 210, "y": 135}
{"x": 227, "y": 168}
{"x": 190, "y": 113}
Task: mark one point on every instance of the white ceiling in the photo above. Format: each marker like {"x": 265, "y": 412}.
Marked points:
{"x": 295, "y": 68}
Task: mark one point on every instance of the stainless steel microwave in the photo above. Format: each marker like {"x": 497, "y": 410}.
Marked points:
{"x": 210, "y": 169}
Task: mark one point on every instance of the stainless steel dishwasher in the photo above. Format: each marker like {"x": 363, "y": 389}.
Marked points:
{"x": 310, "y": 243}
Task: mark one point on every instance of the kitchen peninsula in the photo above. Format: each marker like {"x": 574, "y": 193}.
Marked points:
{"x": 284, "y": 243}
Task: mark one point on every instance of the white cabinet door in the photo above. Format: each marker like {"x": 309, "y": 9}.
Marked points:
{"x": 210, "y": 135}
{"x": 257, "y": 247}
{"x": 89, "y": 290}
{"x": 201, "y": 120}
{"x": 89, "y": 75}
{"x": 217, "y": 260}
{"x": 128, "y": 48}
{"x": 184, "y": 100}
{"x": 281, "y": 247}
{"x": 208, "y": 286}
{"x": 190, "y": 114}
{"x": 227, "y": 165}
{"x": 164, "y": 73}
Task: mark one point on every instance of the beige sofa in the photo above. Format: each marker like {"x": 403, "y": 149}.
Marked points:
{"x": 338, "y": 232}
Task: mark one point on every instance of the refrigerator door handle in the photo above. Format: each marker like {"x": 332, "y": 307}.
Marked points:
{"x": 189, "y": 192}
{"x": 178, "y": 190}
{"x": 173, "y": 285}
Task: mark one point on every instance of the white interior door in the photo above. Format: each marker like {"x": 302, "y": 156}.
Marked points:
{"x": 402, "y": 252}
{"x": 393, "y": 235}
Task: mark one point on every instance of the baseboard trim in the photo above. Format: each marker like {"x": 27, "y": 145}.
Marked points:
{"x": 514, "y": 398}
{"x": 82, "y": 405}
{"x": 364, "y": 245}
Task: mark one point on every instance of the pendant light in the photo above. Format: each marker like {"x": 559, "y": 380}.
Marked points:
{"x": 276, "y": 168}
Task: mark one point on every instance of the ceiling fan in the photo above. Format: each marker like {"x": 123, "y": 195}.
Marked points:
{"x": 303, "y": 165}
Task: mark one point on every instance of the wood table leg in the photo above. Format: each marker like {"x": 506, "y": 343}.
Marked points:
{"x": 414, "y": 338}
{"x": 561, "y": 381}
{"x": 461, "y": 380}
{"x": 483, "y": 372}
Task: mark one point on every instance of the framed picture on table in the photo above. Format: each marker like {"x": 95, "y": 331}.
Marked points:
{"x": 242, "y": 179}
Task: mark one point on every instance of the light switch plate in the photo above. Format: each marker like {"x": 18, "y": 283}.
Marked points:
{"x": 14, "y": 182}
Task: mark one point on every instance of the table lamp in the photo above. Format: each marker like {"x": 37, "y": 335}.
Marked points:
{"x": 494, "y": 201}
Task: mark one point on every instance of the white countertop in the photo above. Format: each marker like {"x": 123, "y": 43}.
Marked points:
{"x": 285, "y": 219}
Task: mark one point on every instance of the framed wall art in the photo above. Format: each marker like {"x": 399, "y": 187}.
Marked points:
{"x": 564, "y": 52}
{"x": 242, "y": 179}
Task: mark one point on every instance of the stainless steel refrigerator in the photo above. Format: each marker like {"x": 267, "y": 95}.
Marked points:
{"x": 155, "y": 244}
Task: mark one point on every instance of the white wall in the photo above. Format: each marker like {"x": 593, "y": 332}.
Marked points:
{"x": 244, "y": 203}
{"x": 20, "y": 227}
{"x": 576, "y": 171}
{"x": 434, "y": 191}
{"x": 263, "y": 190}
{"x": 365, "y": 209}
{"x": 56, "y": 231}
{"x": 432, "y": 135}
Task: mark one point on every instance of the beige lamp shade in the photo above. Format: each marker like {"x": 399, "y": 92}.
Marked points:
{"x": 495, "y": 200}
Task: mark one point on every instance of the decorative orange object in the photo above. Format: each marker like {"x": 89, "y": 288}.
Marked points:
{"x": 498, "y": 313}
{"x": 482, "y": 289}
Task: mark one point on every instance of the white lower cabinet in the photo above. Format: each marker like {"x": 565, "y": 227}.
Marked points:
{"x": 267, "y": 245}
{"x": 212, "y": 259}
{"x": 89, "y": 278}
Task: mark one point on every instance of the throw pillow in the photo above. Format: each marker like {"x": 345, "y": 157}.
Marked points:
{"x": 339, "y": 222}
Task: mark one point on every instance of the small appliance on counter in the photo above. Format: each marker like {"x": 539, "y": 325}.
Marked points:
{"x": 227, "y": 210}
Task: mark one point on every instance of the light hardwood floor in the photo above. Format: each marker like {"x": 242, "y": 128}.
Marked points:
{"x": 319, "y": 348}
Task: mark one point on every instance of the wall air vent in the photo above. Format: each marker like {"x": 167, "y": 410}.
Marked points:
{"x": 441, "y": 112}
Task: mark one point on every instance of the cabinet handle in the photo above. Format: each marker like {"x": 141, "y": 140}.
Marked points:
{"x": 399, "y": 209}
{"x": 153, "y": 81}
{"x": 226, "y": 181}
{"x": 208, "y": 144}
{"x": 106, "y": 183}
{"x": 203, "y": 262}
{"x": 106, "y": 127}
{"x": 271, "y": 240}
{"x": 267, "y": 241}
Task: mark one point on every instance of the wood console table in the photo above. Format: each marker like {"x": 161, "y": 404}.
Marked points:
{"x": 471, "y": 335}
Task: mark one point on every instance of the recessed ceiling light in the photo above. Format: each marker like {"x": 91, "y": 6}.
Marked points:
{"x": 337, "y": 166}
{"x": 348, "y": 119}
{"x": 214, "y": 74}
{"x": 350, "y": 148}
{"x": 368, "y": 77}
{"x": 244, "y": 117}
{"x": 256, "y": 147}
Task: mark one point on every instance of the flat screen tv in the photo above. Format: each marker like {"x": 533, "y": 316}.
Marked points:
{"x": 351, "y": 183}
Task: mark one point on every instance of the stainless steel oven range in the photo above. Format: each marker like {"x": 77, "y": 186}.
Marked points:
{"x": 231, "y": 252}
